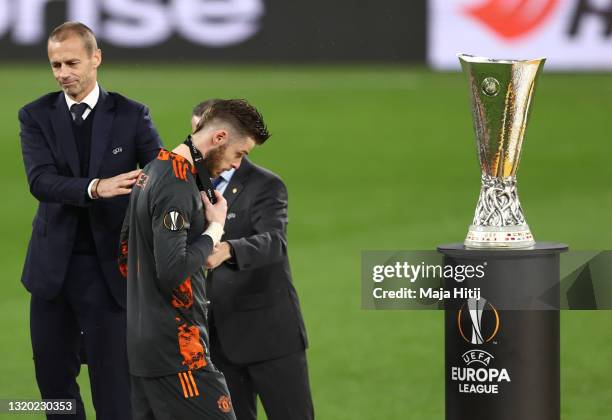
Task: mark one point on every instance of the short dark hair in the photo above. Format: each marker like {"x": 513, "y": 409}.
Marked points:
{"x": 240, "y": 114}
{"x": 199, "y": 109}
{"x": 83, "y": 31}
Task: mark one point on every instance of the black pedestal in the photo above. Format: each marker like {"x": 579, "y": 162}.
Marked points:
{"x": 502, "y": 352}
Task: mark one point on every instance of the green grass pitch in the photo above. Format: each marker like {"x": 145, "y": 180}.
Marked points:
{"x": 374, "y": 158}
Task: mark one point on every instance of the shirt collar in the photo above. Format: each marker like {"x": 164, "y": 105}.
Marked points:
{"x": 227, "y": 175}
{"x": 91, "y": 99}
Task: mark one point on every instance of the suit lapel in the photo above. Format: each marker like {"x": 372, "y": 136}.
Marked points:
{"x": 100, "y": 135}
{"x": 237, "y": 184}
{"x": 61, "y": 120}
{"x": 232, "y": 192}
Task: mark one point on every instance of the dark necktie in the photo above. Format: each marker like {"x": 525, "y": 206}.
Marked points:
{"x": 77, "y": 111}
{"x": 216, "y": 181}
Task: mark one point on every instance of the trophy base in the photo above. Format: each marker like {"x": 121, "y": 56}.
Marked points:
{"x": 499, "y": 237}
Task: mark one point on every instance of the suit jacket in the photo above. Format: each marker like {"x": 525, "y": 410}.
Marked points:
{"x": 255, "y": 307}
{"x": 122, "y": 136}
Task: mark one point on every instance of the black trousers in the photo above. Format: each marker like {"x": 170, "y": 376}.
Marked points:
{"x": 84, "y": 304}
{"x": 282, "y": 385}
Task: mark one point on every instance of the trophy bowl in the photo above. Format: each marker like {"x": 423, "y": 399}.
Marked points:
{"x": 500, "y": 93}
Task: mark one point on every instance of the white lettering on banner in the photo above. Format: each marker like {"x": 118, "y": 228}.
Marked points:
{"x": 135, "y": 23}
{"x": 29, "y": 25}
{"x": 218, "y": 23}
{"x": 140, "y": 23}
{"x": 84, "y": 11}
{"x": 5, "y": 17}
{"x": 572, "y": 34}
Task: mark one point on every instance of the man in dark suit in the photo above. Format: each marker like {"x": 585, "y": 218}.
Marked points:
{"x": 81, "y": 147}
{"x": 257, "y": 333}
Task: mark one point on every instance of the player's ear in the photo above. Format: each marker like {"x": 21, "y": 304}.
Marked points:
{"x": 220, "y": 137}
{"x": 97, "y": 58}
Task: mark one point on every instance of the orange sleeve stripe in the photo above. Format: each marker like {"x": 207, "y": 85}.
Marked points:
{"x": 187, "y": 383}
{"x": 183, "y": 385}
{"x": 175, "y": 169}
{"x": 184, "y": 172}
{"x": 180, "y": 168}
{"x": 195, "y": 387}
{"x": 180, "y": 165}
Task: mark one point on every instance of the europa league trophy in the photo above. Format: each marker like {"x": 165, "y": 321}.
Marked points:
{"x": 501, "y": 92}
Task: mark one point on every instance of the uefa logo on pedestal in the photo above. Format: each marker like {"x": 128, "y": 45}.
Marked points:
{"x": 478, "y": 321}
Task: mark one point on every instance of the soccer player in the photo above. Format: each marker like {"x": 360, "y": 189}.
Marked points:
{"x": 257, "y": 333}
{"x": 163, "y": 250}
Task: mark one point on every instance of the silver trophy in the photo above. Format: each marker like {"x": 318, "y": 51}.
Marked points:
{"x": 500, "y": 93}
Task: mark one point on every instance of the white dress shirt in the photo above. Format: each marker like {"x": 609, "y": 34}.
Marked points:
{"x": 91, "y": 100}
{"x": 226, "y": 177}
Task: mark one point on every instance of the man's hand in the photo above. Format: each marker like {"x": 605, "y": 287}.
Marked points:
{"x": 220, "y": 254}
{"x": 215, "y": 212}
{"x": 117, "y": 185}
